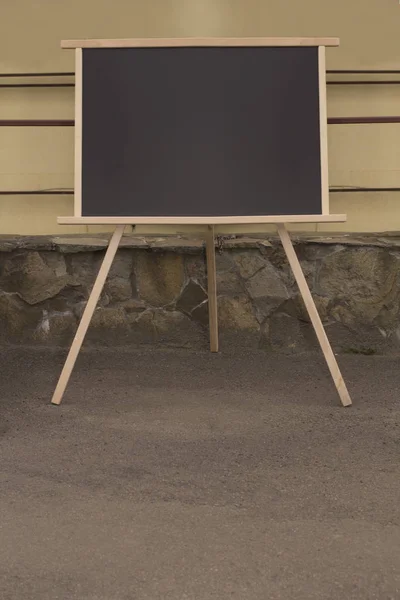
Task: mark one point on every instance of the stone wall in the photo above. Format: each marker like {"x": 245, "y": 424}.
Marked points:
{"x": 157, "y": 292}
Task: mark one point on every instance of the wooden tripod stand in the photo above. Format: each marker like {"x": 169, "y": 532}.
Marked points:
{"x": 212, "y": 308}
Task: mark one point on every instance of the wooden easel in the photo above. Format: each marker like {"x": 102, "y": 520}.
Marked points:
{"x": 212, "y": 309}
{"x": 280, "y": 221}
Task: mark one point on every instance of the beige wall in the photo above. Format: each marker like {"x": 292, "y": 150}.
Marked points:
{"x": 30, "y": 34}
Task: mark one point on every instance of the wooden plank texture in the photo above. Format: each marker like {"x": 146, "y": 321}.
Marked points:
{"x": 78, "y": 133}
{"x": 201, "y": 220}
{"x": 87, "y": 314}
{"x": 323, "y": 124}
{"x": 314, "y": 316}
{"x": 200, "y": 42}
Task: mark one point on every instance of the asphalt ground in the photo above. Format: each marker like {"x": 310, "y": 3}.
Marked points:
{"x": 174, "y": 474}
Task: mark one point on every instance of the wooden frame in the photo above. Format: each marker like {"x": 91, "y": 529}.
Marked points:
{"x": 78, "y": 132}
{"x": 200, "y": 42}
{"x": 78, "y": 45}
{"x": 323, "y": 128}
{"x": 201, "y": 220}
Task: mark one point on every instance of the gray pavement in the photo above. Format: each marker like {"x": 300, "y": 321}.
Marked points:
{"x": 173, "y": 474}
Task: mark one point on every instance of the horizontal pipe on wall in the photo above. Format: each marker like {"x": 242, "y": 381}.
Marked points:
{"x": 37, "y": 123}
{"x": 70, "y": 74}
{"x": 345, "y": 190}
{"x": 72, "y": 85}
{"x": 382, "y": 82}
{"x": 36, "y": 192}
{"x": 333, "y": 71}
{"x": 364, "y": 120}
{"x": 36, "y": 85}
{"x": 56, "y": 192}
{"x": 362, "y": 71}
{"x": 71, "y": 123}
{"x": 37, "y": 74}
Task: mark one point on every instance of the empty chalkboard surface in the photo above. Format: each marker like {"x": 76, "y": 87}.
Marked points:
{"x": 201, "y": 131}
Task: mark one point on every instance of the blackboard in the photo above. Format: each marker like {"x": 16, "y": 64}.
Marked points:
{"x": 193, "y": 131}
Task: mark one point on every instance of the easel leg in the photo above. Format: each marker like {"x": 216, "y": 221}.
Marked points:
{"x": 212, "y": 289}
{"x": 314, "y": 316}
{"x": 87, "y": 314}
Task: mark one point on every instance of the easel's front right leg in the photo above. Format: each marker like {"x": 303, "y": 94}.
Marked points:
{"x": 314, "y": 316}
{"x": 87, "y": 314}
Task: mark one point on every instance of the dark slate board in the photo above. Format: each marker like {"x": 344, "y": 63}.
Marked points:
{"x": 201, "y": 132}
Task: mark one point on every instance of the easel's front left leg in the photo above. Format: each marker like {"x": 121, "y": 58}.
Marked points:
{"x": 314, "y": 316}
{"x": 87, "y": 314}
